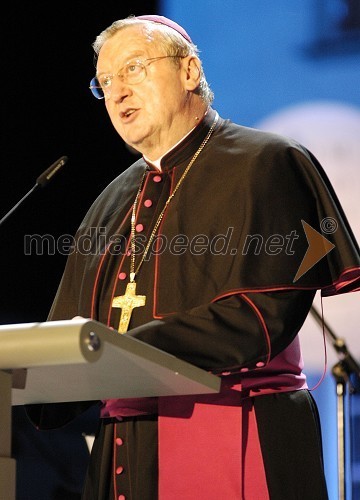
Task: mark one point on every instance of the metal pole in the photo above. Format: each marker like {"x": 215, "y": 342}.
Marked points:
{"x": 340, "y": 391}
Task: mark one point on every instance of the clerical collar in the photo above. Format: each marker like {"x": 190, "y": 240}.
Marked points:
{"x": 186, "y": 147}
{"x": 157, "y": 163}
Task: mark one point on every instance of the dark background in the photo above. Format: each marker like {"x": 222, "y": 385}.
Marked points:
{"x": 47, "y": 112}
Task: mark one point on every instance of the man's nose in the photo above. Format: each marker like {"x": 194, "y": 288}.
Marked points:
{"x": 119, "y": 89}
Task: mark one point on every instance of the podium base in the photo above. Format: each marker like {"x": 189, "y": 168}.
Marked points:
{"x": 7, "y": 478}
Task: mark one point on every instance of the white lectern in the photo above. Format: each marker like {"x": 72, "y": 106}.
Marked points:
{"x": 82, "y": 360}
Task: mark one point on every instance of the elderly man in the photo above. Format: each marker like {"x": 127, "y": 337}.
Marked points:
{"x": 207, "y": 259}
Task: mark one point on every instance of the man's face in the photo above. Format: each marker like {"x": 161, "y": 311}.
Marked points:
{"x": 149, "y": 115}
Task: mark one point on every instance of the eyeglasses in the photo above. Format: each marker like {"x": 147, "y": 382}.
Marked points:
{"x": 132, "y": 73}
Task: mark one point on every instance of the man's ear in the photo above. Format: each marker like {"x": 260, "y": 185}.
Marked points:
{"x": 191, "y": 72}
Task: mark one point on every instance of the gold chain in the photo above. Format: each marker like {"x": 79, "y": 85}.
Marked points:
{"x": 134, "y": 272}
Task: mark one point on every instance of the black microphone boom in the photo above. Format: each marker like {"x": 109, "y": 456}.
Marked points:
{"x": 41, "y": 181}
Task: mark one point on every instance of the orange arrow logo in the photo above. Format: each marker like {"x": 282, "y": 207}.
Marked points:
{"x": 317, "y": 249}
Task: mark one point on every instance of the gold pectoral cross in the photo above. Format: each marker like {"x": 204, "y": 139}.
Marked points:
{"x": 127, "y": 303}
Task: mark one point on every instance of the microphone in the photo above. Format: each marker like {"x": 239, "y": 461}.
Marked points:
{"x": 46, "y": 176}
{"x": 41, "y": 181}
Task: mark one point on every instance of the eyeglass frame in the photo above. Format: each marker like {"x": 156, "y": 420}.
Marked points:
{"x": 96, "y": 89}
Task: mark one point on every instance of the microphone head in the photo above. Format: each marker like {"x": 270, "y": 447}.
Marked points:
{"x": 46, "y": 176}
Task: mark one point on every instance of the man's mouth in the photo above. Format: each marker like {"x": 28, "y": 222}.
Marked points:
{"x": 128, "y": 113}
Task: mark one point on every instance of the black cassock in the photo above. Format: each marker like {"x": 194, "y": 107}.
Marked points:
{"x": 229, "y": 280}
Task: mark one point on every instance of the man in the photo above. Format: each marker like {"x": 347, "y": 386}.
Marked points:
{"x": 209, "y": 231}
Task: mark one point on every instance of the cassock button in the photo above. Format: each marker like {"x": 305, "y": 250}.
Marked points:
{"x": 148, "y": 203}
{"x": 226, "y": 373}
{"x": 119, "y": 469}
{"x": 122, "y": 276}
{"x": 244, "y": 370}
{"x": 157, "y": 178}
{"x": 139, "y": 228}
{"x": 119, "y": 441}
{"x": 260, "y": 364}
{"x": 121, "y": 497}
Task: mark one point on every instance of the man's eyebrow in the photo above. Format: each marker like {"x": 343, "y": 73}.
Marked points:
{"x": 136, "y": 55}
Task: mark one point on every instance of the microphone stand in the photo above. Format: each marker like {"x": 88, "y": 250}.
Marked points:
{"x": 41, "y": 181}
{"x": 341, "y": 372}
{"x": 6, "y": 216}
